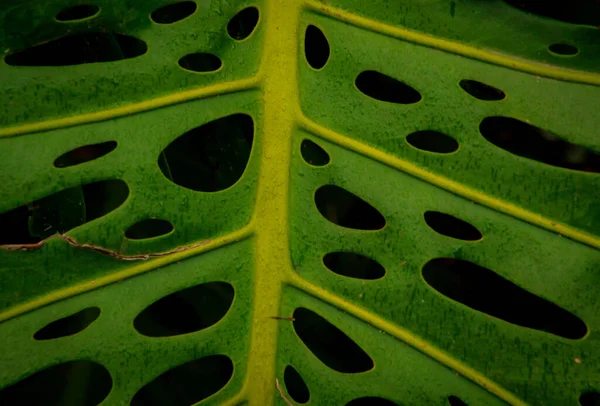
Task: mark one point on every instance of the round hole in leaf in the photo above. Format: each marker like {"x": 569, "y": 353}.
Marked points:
{"x": 385, "y": 88}
{"x": 456, "y": 401}
{"x": 353, "y": 265}
{"x": 84, "y": 154}
{"x": 243, "y": 23}
{"x": 69, "y": 325}
{"x": 346, "y": 209}
{"x": 563, "y": 49}
{"x": 200, "y": 62}
{"x": 313, "y": 154}
{"x": 78, "y": 12}
{"x": 316, "y": 47}
{"x": 295, "y": 385}
{"x": 432, "y": 141}
{"x": 482, "y": 91}
{"x": 149, "y": 228}
{"x": 371, "y": 401}
{"x": 590, "y": 399}
{"x": 171, "y": 13}
{"x": 451, "y": 226}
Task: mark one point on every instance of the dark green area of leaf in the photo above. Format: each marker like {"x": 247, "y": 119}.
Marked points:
{"x": 590, "y": 399}
{"x": 313, "y": 154}
{"x": 482, "y": 91}
{"x": 60, "y": 385}
{"x": 346, "y": 209}
{"x": 171, "y": 13}
{"x": 186, "y": 384}
{"x": 200, "y": 62}
{"x": 78, "y": 12}
{"x": 243, "y": 23}
{"x": 69, "y": 325}
{"x": 385, "y": 88}
{"x": 77, "y": 49}
{"x": 432, "y": 141}
{"x": 186, "y": 311}
{"x": 316, "y": 47}
{"x": 353, "y": 265}
{"x": 451, "y": 226}
{"x": 371, "y": 401}
{"x": 295, "y": 385}
{"x": 84, "y": 154}
{"x": 148, "y": 228}
{"x": 329, "y": 344}
{"x": 483, "y": 290}
{"x": 585, "y": 12}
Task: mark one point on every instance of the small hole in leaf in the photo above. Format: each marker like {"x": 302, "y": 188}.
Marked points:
{"x": 61, "y": 211}
{"x": 432, "y": 141}
{"x": 149, "y": 228}
{"x": 585, "y": 12}
{"x": 186, "y": 384}
{"x": 77, "y": 49}
{"x": 295, "y": 385}
{"x": 329, "y": 344}
{"x": 243, "y": 23}
{"x": 590, "y": 399}
{"x": 451, "y": 226}
{"x": 483, "y": 290}
{"x": 346, "y": 209}
{"x": 56, "y": 386}
{"x": 531, "y": 142}
{"x": 189, "y": 310}
{"x": 171, "y": 13}
{"x": 385, "y": 88}
{"x": 211, "y": 157}
{"x": 200, "y": 62}
{"x": 78, "y": 12}
{"x": 313, "y": 154}
{"x": 353, "y": 265}
{"x": 316, "y": 47}
{"x": 482, "y": 91}
{"x": 456, "y": 401}
{"x": 371, "y": 401}
{"x": 84, "y": 154}
{"x": 69, "y": 325}
{"x": 563, "y": 49}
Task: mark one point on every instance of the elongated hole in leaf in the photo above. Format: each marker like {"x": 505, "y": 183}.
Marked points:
{"x": 590, "y": 399}
{"x": 316, "y": 47}
{"x": 78, "y": 12}
{"x": 295, "y": 385}
{"x": 432, "y": 141}
{"x": 563, "y": 49}
{"x": 482, "y": 91}
{"x": 69, "y": 325}
{"x": 353, "y": 265}
{"x": 243, "y": 23}
{"x": 456, "y": 401}
{"x": 451, "y": 226}
{"x": 171, "y": 13}
{"x": 200, "y": 62}
{"x": 385, "y": 88}
{"x": 84, "y": 154}
{"x": 574, "y": 12}
{"x": 313, "y": 154}
{"x": 346, "y": 209}
{"x": 371, "y": 401}
{"x": 149, "y": 228}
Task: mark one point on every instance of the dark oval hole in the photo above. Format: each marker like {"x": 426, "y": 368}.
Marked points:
{"x": 79, "y": 49}
{"x": 148, "y": 228}
{"x": 316, "y": 47}
{"x": 451, "y": 226}
{"x": 329, "y": 344}
{"x": 353, "y": 265}
{"x": 55, "y": 386}
{"x": 574, "y": 12}
{"x": 563, "y": 49}
{"x": 78, "y": 12}
{"x": 295, "y": 385}
{"x": 346, "y": 209}
{"x": 385, "y": 88}
{"x": 371, "y": 401}
{"x": 189, "y": 310}
{"x": 482, "y": 91}
{"x": 84, "y": 154}
{"x": 456, "y": 401}
{"x": 313, "y": 154}
{"x": 61, "y": 211}
{"x": 69, "y": 325}
{"x": 200, "y": 62}
{"x": 432, "y": 141}
{"x": 531, "y": 142}
{"x": 171, "y": 13}
{"x": 590, "y": 399}
{"x": 186, "y": 384}
{"x": 485, "y": 291}
{"x": 243, "y": 23}
{"x": 211, "y": 157}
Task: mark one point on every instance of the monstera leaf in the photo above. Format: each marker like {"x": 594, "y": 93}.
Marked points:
{"x": 336, "y": 202}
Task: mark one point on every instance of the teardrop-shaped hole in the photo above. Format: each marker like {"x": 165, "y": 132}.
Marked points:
{"x": 68, "y": 326}
{"x": 432, "y": 141}
{"x": 531, "y": 142}
{"x": 590, "y": 399}
{"x": 211, "y": 157}
{"x": 563, "y": 49}
{"x": 55, "y": 386}
{"x": 84, "y": 154}
{"x": 316, "y": 47}
{"x": 482, "y": 91}
{"x": 483, "y": 290}
{"x": 243, "y": 23}
{"x": 346, "y": 209}
{"x": 313, "y": 154}
{"x": 456, "y": 401}
{"x": 171, "y": 13}
{"x": 295, "y": 385}
{"x": 187, "y": 384}
{"x": 451, "y": 226}
{"x": 385, "y": 88}
{"x": 78, "y": 12}
{"x": 200, "y": 62}
{"x": 189, "y": 310}
{"x": 574, "y": 12}
{"x": 371, "y": 401}
{"x": 353, "y": 265}
{"x": 61, "y": 211}
{"x": 149, "y": 228}
{"x": 77, "y": 49}
{"x": 329, "y": 344}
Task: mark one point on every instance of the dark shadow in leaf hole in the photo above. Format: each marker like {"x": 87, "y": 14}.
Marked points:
{"x": 353, "y": 265}
{"x": 243, "y": 23}
{"x": 295, "y": 385}
{"x": 200, "y": 62}
{"x": 69, "y": 325}
{"x": 171, "y": 13}
{"x": 346, "y": 209}
{"x": 186, "y": 384}
{"x": 149, "y": 228}
{"x": 329, "y": 344}
{"x": 485, "y": 291}
{"x": 316, "y": 47}
{"x": 481, "y": 91}
{"x": 432, "y": 141}
{"x": 313, "y": 154}
{"x": 585, "y": 12}
{"x": 85, "y": 154}
{"x": 371, "y": 401}
{"x": 451, "y": 226}
{"x": 81, "y": 383}
{"x": 563, "y": 49}
{"x": 456, "y": 401}
{"x": 78, "y": 12}
{"x": 186, "y": 311}
{"x": 590, "y": 399}
{"x": 385, "y": 88}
